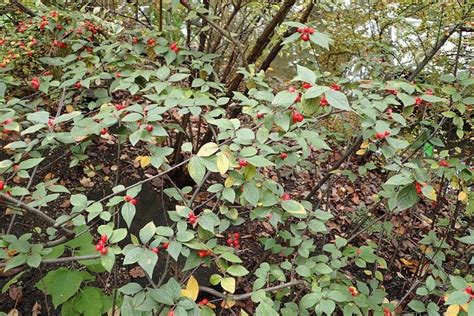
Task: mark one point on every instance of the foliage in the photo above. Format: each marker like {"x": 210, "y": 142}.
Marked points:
{"x": 71, "y": 82}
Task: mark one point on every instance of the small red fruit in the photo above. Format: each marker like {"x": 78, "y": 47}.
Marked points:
{"x": 236, "y": 243}
{"x": 78, "y": 85}
{"x": 174, "y": 47}
{"x": 118, "y": 75}
{"x": 418, "y": 188}
{"x": 323, "y": 101}
{"x": 2, "y": 185}
{"x": 155, "y": 250}
{"x": 35, "y": 83}
{"x": 104, "y": 251}
{"x": 127, "y": 198}
{"x": 229, "y": 241}
{"x": 307, "y": 85}
{"x": 335, "y": 87}
{"x": 119, "y": 107}
{"x": 300, "y": 30}
{"x": 104, "y": 238}
{"x": 171, "y": 313}
{"x": 353, "y": 291}
{"x": 260, "y": 115}
{"x": 166, "y": 245}
{"x": 305, "y": 37}
{"x": 151, "y": 42}
{"x": 135, "y": 40}
{"x": 192, "y": 218}
{"x": 243, "y": 163}
{"x": 380, "y": 135}
{"x": 298, "y": 98}
{"x": 392, "y": 91}
{"x": 283, "y": 155}
{"x": 134, "y": 201}
{"x": 292, "y": 89}
{"x": 99, "y": 247}
{"x": 149, "y": 128}
{"x": 429, "y": 92}
{"x": 468, "y": 290}
{"x": 418, "y": 101}
{"x": 236, "y": 235}
{"x": 387, "y": 312}
{"x": 204, "y": 301}
{"x": 285, "y": 197}
{"x": 103, "y": 131}
{"x": 386, "y": 133}
{"x": 297, "y": 117}
{"x": 443, "y": 163}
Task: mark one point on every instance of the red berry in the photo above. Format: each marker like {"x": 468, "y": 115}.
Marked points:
{"x": 418, "y": 188}
{"x": 443, "y": 163}
{"x": 285, "y": 197}
{"x": 392, "y": 91}
{"x": 201, "y": 253}
{"x": 155, "y": 250}
{"x": 2, "y": 185}
{"x": 307, "y": 85}
{"x": 118, "y": 75}
{"x": 78, "y": 85}
{"x": 260, "y": 115}
{"x": 418, "y": 101}
{"x": 310, "y": 30}
{"x": 171, "y": 313}
{"x": 151, "y": 42}
{"x": 166, "y": 245}
{"x": 297, "y": 117}
{"x": 103, "y": 238}
{"x": 300, "y": 30}
{"x": 387, "y": 312}
{"x": 35, "y": 83}
{"x": 323, "y": 101}
{"x": 298, "y": 98}
{"x": 119, "y": 107}
{"x": 99, "y": 247}
{"x": 386, "y": 133}
{"x": 335, "y": 87}
{"x": 236, "y": 235}
{"x": 134, "y": 201}
{"x": 174, "y": 47}
{"x": 229, "y": 241}
{"x": 135, "y": 40}
{"x": 103, "y": 131}
{"x": 292, "y": 89}
{"x": 104, "y": 251}
{"x": 283, "y": 155}
{"x": 380, "y": 135}
{"x": 243, "y": 163}
{"x": 127, "y": 198}
{"x": 305, "y": 37}
{"x": 236, "y": 243}
{"x": 468, "y": 290}
{"x": 149, "y": 128}
{"x": 204, "y": 301}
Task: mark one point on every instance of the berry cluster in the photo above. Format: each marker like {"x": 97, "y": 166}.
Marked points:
{"x": 297, "y": 117}
{"x": 233, "y": 240}
{"x": 323, "y": 102}
{"x": 174, "y": 47}
{"x": 101, "y": 245}
{"x": 2, "y": 185}
{"x": 35, "y": 83}
{"x": 353, "y": 291}
{"x": 443, "y": 163}
{"x": 151, "y": 42}
{"x": 382, "y": 135}
{"x": 192, "y": 218}
{"x": 204, "y": 253}
{"x": 242, "y": 164}
{"x": 335, "y": 87}
{"x": 418, "y": 188}
{"x": 305, "y": 32}
{"x": 157, "y": 249}
{"x": 419, "y": 101}
{"x": 128, "y": 198}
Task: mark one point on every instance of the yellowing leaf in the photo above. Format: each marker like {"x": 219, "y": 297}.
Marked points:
{"x": 222, "y": 163}
{"x": 227, "y": 304}
{"x": 228, "y": 284}
{"x": 365, "y": 144}
{"x": 192, "y": 289}
{"x": 208, "y": 149}
{"x": 452, "y": 310}
{"x": 462, "y": 196}
{"x": 229, "y": 182}
{"x": 407, "y": 262}
{"x": 361, "y": 152}
{"x": 145, "y": 161}
{"x": 69, "y": 108}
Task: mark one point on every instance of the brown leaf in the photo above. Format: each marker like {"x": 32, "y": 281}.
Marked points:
{"x": 15, "y": 293}
{"x": 36, "y": 310}
{"x": 136, "y": 272}
{"x": 87, "y": 182}
{"x": 65, "y": 204}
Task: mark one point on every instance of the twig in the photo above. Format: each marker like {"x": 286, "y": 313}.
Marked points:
{"x": 64, "y": 259}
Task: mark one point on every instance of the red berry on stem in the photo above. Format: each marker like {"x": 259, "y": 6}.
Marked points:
{"x": 243, "y": 163}
{"x": 134, "y": 201}
{"x": 305, "y": 37}
{"x": 236, "y": 235}
{"x": 335, "y": 87}
{"x": 300, "y": 30}
{"x": 127, "y": 198}
{"x": 204, "y": 301}
{"x": 155, "y": 250}
{"x": 103, "y": 238}
{"x": 103, "y": 131}
{"x": 307, "y": 85}
{"x": 418, "y": 101}
{"x": 285, "y": 197}
{"x": 386, "y": 133}
{"x": 260, "y": 115}
{"x": 236, "y": 243}
{"x": 283, "y": 155}
{"x": 35, "y": 83}
{"x": 99, "y": 247}
{"x": 323, "y": 101}
{"x": 166, "y": 245}
{"x": 171, "y": 313}
{"x": 2, "y": 185}
{"x": 104, "y": 251}
{"x": 149, "y": 128}
{"x": 229, "y": 241}
{"x": 443, "y": 163}
{"x": 78, "y": 85}
{"x": 292, "y": 89}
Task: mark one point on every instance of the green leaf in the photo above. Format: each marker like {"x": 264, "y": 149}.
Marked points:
{"x": 148, "y": 261}
{"x": 34, "y": 260}
{"x": 208, "y": 149}
{"x": 293, "y": 207}
{"x": 38, "y": 117}
{"x": 30, "y": 163}
{"x": 315, "y": 91}
{"x": 320, "y": 39}
{"x": 309, "y": 300}
{"x": 417, "y": 306}
{"x": 118, "y": 235}
{"x": 338, "y": 100}
{"x": 251, "y": 193}
{"x": 259, "y": 161}
{"x": 237, "y": 270}
{"x": 174, "y": 249}
{"x": 305, "y": 74}
{"x": 303, "y": 270}
{"x": 458, "y": 298}
{"x": 89, "y": 301}
{"x": 285, "y": 98}
{"x": 61, "y": 284}
{"x": 147, "y": 232}
{"x": 128, "y": 213}
{"x": 406, "y": 197}
{"x": 399, "y": 179}
{"x": 196, "y": 169}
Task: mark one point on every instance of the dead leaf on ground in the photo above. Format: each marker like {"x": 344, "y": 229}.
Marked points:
{"x": 15, "y": 293}
{"x": 65, "y": 204}
{"x": 136, "y": 272}
{"x": 36, "y": 310}
{"x": 13, "y": 312}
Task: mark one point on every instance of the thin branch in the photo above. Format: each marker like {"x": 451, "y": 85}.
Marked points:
{"x": 63, "y": 260}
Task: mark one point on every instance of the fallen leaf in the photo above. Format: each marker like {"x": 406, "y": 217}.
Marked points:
{"x": 13, "y": 312}
{"x": 192, "y": 289}
{"x": 36, "y": 310}
{"x": 15, "y": 293}
{"x": 136, "y": 272}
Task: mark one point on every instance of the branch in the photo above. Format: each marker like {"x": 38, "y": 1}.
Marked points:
{"x": 35, "y": 211}
{"x": 240, "y": 297}
{"x": 63, "y": 260}
{"x": 328, "y": 175}
{"x": 23, "y": 8}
